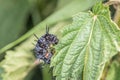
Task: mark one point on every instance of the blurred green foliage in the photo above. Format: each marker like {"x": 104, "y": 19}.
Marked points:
{"x": 19, "y": 20}
{"x": 114, "y": 71}
{"x": 13, "y": 16}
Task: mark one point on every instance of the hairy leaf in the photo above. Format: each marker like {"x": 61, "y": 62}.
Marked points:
{"x": 87, "y": 43}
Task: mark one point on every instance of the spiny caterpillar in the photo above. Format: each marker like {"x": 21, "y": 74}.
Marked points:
{"x": 44, "y": 47}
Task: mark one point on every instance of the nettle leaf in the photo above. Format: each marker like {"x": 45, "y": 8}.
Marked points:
{"x": 87, "y": 43}
{"x": 18, "y": 64}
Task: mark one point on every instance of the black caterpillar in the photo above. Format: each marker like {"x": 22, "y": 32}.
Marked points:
{"x": 44, "y": 47}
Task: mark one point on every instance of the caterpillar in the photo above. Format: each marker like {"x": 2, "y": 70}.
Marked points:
{"x": 44, "y": 47}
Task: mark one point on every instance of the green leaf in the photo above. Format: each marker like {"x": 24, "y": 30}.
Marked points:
{"x": 114, "y": 71}
{"x": 1, "y": 72}
{"x": 13, "y": 16}
{"x": 18, "y": 64}
{"x": 87, "y": 43}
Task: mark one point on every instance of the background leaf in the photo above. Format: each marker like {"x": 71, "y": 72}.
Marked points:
{"x": 114, "y": 71}
{"x": 13, "y": 16}
{"x": 17, "y": 64}
{"x": 86, "y": 45}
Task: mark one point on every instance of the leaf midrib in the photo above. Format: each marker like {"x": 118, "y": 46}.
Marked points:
{"x": 75, "y": 39}
{"x": 87, "y": 46}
